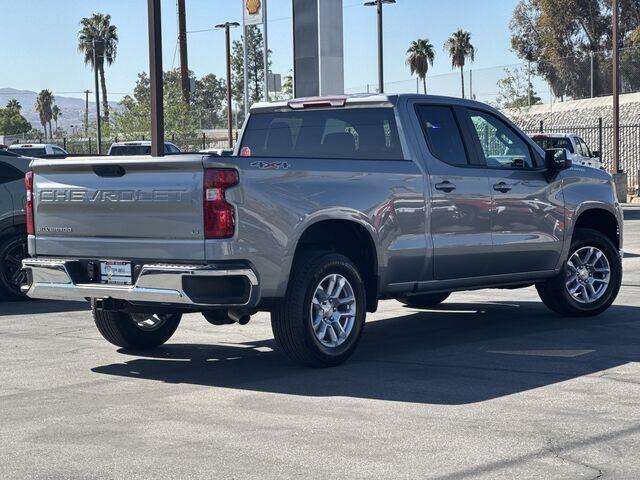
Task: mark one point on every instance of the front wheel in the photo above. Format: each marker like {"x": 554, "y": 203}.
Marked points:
{"x": 135, "y": 330}
{"x": 320, "y": 321}
{"x": 590, "y": 280}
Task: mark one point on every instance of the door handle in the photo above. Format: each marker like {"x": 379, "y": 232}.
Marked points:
{"x": 502, "y": 187}
{"x": 445, "y": 186}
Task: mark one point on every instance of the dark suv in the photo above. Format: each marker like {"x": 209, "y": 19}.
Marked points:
{"x": 13, "y": 234}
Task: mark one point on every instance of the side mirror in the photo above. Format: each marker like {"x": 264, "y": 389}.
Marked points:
{"x": 556, "y": 160}
{"x": 596, "y": 154}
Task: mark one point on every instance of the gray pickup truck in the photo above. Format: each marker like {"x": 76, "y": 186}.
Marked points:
{"x": 327, "y": 206}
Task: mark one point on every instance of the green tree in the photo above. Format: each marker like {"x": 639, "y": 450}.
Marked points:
{"x": 255, "y": 68}
{"x": 515, "y": 90}
{"x": 460, "y": 49}
{"x": 135, "y": 119}
{"x": 55, "y": 114}
{"x": 561, "y": 37}
{"x": 11, "y": 121}
{"x": 208, "y": 101}
{"x": 44, "y": 107}
{"x": 14, "y": 105}
{"x": 420, "y": 55}
{"x": 98, "y": 32}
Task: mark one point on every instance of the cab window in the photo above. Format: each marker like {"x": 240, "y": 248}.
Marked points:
{"x": 500, "y": 145}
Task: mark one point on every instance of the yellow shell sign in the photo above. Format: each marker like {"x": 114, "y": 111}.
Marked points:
{"x": 252, "y": 6}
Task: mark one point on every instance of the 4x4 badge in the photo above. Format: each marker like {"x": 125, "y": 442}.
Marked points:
{"x": 271, "y": 165}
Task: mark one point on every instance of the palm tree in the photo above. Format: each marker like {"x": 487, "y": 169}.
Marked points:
{"x": 420, "y": 55}
{"x": 44, "y": 107}
{"x": 14, "y": 104}
{"x": 55, "y": 113}
{"x": 97, "y": 32}
{"x": 460, "y": 50}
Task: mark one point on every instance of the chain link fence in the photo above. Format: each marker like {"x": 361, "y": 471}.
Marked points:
{"x": 600, "y": 137}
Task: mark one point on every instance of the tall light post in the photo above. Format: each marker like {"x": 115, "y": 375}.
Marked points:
{"x": 227, "y": 34}
{"x": 616, "y": 87}
{"x": 378, "y": 4}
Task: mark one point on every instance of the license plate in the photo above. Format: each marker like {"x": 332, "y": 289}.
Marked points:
{"x": 118, "y": 273}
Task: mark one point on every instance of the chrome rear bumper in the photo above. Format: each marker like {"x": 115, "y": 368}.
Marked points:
{"x": 156, "y": 283}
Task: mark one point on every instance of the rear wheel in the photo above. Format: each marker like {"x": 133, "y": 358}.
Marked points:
{"x": 12, "y": 251}
{"x": 135, "y": 330}
{"x": 590, "y": 279}
{"x": 424, "y": 301}
{"x": 320, "y": 321}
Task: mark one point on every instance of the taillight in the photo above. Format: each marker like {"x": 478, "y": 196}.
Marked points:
{"x": 28, "y": 183}
{"x": 219, "y": 216}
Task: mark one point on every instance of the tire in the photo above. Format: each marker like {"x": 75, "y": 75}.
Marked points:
{"x": 424, "y": 301}
{"x": 12, "y": 251}
{"x": 555, "y": 293}
{"x": 293, "y": 322}
{"x": 122, "y": 330}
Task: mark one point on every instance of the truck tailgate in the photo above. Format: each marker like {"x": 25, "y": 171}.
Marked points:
{"x": 129, "y": 207}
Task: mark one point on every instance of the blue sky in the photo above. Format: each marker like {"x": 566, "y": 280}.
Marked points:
{"x": 38, "y": 39}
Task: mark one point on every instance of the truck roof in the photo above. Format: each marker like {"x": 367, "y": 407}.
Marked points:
{"x": 351, "y": 100}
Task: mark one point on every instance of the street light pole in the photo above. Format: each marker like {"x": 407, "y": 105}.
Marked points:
{"x": 227, "y": 34}
{"x": 95, "y": 74}
{"x": 378, "y": 4}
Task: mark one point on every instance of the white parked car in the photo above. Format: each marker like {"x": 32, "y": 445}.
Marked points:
{"x": 39, "y": 150}
{"x": 577, "y": 149}
{"x": 139, "y": 148}
{"x": 220, "y": 152}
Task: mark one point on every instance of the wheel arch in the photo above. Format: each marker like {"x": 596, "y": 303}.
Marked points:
{"x": 602, "y": 220}
{"x": 352, "y": 238}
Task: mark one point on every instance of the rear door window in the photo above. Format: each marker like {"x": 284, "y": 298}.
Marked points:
{"x": 442, "y": 134}
{"x": 348, "y": 133}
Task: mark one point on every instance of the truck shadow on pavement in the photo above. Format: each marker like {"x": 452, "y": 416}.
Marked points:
{"x": 34, "y": 307}
{"x": 456, "y": 354}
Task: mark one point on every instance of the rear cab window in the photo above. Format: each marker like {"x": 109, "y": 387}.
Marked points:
{"x": 360, "y": 133}
{"x": 29, "y": 152}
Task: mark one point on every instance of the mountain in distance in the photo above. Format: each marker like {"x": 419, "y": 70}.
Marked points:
{"x": 72, "y": 108}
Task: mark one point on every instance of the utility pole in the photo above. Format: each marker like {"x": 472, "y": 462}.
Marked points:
{"x": 616, "y": 87}
{"x": 95, "y": 74}
{"x": 86, "y": 113}
{"x": 266, "y": 52}
{"x": 378, "y": 4}
{"x": 227, "y": 35}
{"x": 155, "y": 77}
{"x": 182, "y": 40}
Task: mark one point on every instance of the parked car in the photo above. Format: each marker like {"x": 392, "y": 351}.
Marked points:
{"x": 39, "y": 150}
{"x": 139, "y": 148}
{"x": 220, "y": 152}
{"x": 577, "y": 149}
{"x": 13, "y": 234}
{"x": 333, "y": 204}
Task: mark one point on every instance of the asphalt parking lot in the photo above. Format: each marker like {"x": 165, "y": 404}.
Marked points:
{"x": 490, "y": 385}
